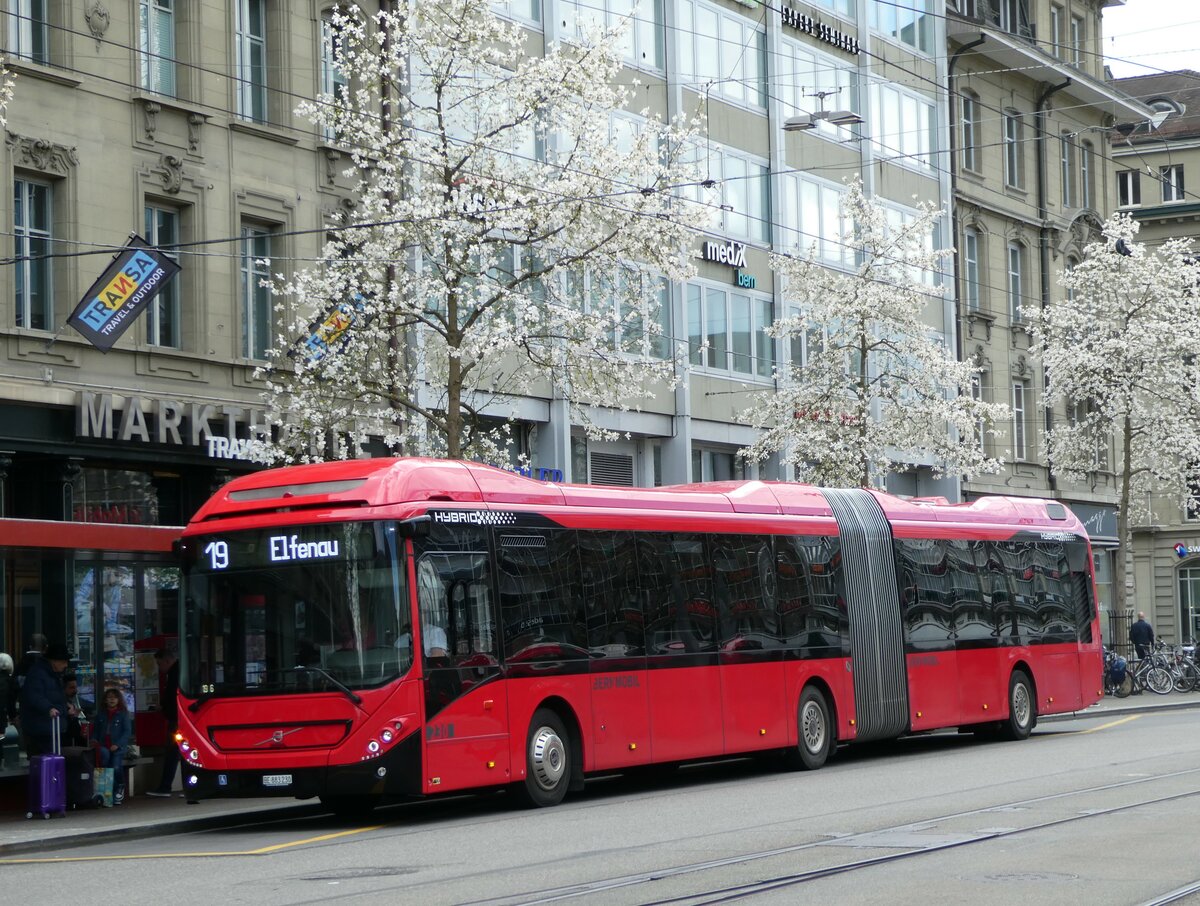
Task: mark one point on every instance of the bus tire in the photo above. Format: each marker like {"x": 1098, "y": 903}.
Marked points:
{"x": 1022, "y": 707}
{"x": 547, "y": 761}
{"x": 814, "y": 730}
{"x": 350, "y": 807}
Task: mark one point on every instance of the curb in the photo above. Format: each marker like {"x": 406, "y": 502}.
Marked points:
{"x": 95, "y": 836}
{"x": 1129, "y": 708}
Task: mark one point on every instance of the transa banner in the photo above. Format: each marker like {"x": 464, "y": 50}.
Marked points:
{"x": 118, "y": 297}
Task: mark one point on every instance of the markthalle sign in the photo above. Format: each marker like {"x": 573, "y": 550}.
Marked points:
{"x": 125, "y": 288}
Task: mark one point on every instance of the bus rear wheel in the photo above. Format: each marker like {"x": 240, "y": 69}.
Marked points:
{"x": 547, "y": 761}
{"x": 1022, "y": 707}
{"x": 815, "y": 730}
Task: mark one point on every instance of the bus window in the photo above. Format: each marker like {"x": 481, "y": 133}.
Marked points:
{"x": 744, "y": 581}
{"x": 608, "y": 567}
{"x": 455, "y": 606}
{"x": 925, "y": 593}
{"x": 974, "y": 617}
{"x": 675, "y": 572}
{"x": 811, "y": 596}
{"x": 541, "y": 609}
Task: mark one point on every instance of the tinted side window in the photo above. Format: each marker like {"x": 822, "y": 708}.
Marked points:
{"x": 744, "y": 581}
{"x": 454, "y": 600}
{"x": 1052, "y": 579}
{"x": 676, "y": 574}
{"x": 1083, "y": 594}
{"x": 537, "y": 575}
{"x": 811, "y": 596}
{"x": 973, "y": 616}
{"x": 926, "y": 596}
{"x": 1021, "y": 614}
{"x": 609, "y": 573}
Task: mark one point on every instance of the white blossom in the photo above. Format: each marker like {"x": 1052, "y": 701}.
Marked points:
{"x": 1121, "y": 355}
{"x": 489, "y": 190}
{"x": 879, "y": 388}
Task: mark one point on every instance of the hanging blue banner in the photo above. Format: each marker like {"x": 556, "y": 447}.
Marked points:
{"x": 124, "y": 289}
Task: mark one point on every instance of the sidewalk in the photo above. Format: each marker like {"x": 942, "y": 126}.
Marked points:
{"x": 146, "y": 817}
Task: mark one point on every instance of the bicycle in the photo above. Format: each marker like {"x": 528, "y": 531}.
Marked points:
{"x": 1185, "y": 676}
{"x": 1118, "y": 678}
{"x": 1151, "y": 672}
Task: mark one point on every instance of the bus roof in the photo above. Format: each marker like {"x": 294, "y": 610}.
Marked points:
{"x": 420, "y": 482}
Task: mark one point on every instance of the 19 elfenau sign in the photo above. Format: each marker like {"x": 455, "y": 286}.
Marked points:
{"x": 124, "y": 289}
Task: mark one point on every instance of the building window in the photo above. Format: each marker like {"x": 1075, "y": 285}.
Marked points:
{"x": 1020, "y": 390}
{"x": 1172, "y": 182}
{"x": 252, "y": 60}
{"x": 1013, "y": 159}
{"x": 1189, "y": 603}
{"x": 32, "y": 239}
{"x": 733, "y": 325}
{"x": 1087, "y": 177}
{"x": 1014, "y": 17}
{"x": 717, "y": 465}
{"x": 970, "y": 132}
{"x": 333, "y": 80}
{"x": 255, "y": 297}
{"x": 156, "y": 46}
{"x": 1072, "y": 263}
{"x": 971, "y": 268}
{"x": 722, "y": 53}
{"x": 641, "y": 40}
{"x": 1067, "y": 169}
{"x": 813, "y": 219}
{"x": 1129, "y": 188}
{"x": 742, "y": 206}
{"x": 1056, "y": 15}
{"x": 521, "y": 10}
{"x": 809, "y": 82}
{"x": 28, "y": 34}
{"x": 1016, "y": 280}
{"x": 1076, "y": 41}
{"x": 977, "y": 395}
{"x": 903, "y": 125}
{"x": 162, "y": 317}
{"x": 911, "y": 22}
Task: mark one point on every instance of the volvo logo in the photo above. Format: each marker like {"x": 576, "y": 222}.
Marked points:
{"x": 276, "y": 738}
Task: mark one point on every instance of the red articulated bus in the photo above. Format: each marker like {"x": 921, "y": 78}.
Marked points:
{"x": 390, "y": 627}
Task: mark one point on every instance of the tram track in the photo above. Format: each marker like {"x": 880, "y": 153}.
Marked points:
{"x": 731, "y": 893}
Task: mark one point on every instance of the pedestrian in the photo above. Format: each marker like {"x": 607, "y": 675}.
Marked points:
{"x": 42, "y": 699}
{"x": 8, "y": 692}
{"x": 112, "y": 732}
{"x": 168, "y": 668}
{"x": 35, "y": 652}
{"x": 1142, "y": 635}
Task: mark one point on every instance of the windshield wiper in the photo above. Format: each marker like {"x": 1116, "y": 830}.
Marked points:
{"x": 336, "y": 683}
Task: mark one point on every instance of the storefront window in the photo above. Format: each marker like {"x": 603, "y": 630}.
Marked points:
{"x": 114, "y": 496}
{"x": 1189, "y": 603}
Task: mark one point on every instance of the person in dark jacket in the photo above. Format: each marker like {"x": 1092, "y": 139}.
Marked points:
{"x": 43, "y": 699}
{"x": 1142, "y": 635}
{"x": 8, "y": 692}
{"x": 112, "y": 731}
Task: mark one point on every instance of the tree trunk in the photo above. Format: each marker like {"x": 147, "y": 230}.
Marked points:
{"x": 1124, "y": 539}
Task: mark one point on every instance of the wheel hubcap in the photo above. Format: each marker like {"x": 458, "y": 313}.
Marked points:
{"x": 1020, "y": 704}
{"x": 548, "y": 758}
{"x": 812, "y": 727}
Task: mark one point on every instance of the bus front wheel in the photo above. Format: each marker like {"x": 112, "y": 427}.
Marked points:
{"x": 815, "y": 730}
{"x": 547, "y": 761}
{"x": 1022, "y": 707}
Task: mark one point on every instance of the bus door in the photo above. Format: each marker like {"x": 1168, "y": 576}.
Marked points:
{"x": 466, "y": 707}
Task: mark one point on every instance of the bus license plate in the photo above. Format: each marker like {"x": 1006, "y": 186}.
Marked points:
{"x": 277, "y": 780}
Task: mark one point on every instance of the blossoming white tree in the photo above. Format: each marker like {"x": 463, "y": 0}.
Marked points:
{"x": 1121, "y": 356}
{"x": 510, "y": 237}
{"x": 879, "y": 388}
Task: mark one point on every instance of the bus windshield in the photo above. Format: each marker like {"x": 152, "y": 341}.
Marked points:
{"x": 294, "y": 609}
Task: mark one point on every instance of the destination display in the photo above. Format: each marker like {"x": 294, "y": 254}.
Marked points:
{"x": 282, "y": 547}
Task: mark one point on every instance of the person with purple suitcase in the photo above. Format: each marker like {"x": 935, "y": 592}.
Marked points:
{"x": 43, "y": 704}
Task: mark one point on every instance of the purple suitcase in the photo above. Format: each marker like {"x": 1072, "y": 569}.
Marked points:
{"x": 48, "y": 781}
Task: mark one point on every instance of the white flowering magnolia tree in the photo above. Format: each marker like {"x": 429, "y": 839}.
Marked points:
{"x": 878, "y": 388}
{"x": 511, "y": 236}
{"x": 1122, "y": 358}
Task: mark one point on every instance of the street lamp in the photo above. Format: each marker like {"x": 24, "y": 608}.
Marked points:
{"x": 810, "y": 120}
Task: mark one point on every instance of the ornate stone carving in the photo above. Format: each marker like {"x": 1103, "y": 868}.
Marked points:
{"x": 152, "y": 109}
{"x": 332, "y": 156}
{"x": 39, "y": 154}
{"x": 171, "y": 169}
{"x": 195, "y": 121}
{"x": 1021, "y": 368}
{"x": 98, "y": 20}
